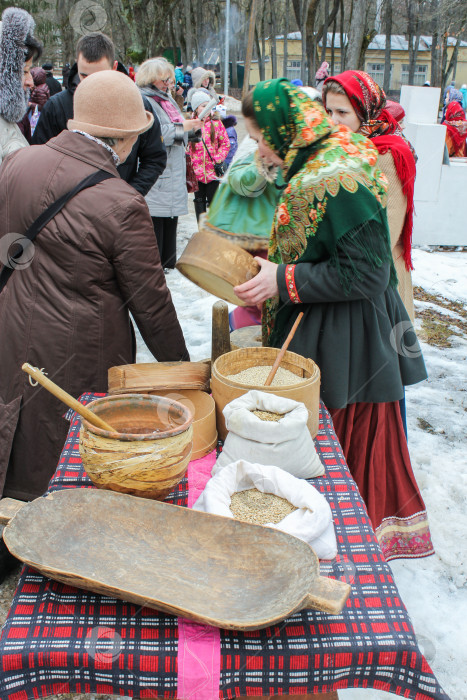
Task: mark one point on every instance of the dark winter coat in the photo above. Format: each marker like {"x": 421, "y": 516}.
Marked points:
{"x": 65, "y": 75}
{"x": 148, "y": 157}
{"x": 69, "y": 310}
{"x": 229, "y": 123}
{"x": 53, "y": 84}
{"x": 40, "y": 92}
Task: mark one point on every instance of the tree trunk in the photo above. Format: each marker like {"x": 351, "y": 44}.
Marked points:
{"x": 452, "y": 63}
{"x": 66, "y": 31}
{"x": 188, "y": 31}
{"x": 321, "y": 34}
{"x": 435, "y": 77}
{"x": 272, "y": 38}
{"x": 325, "y": 31}
{"x": 356, "y": 34}
{"x": 343, "y": 41}
{"x": 444, "y": 60}
{"x": 387, "y": 50}
{"x": 333, "y": 40}
{"x": 367, "y": 39}
{"x": 285, "y": 43}
{"x": 301, "y": 15}
{"x": 311, "y": 41}
{"x": 263, "y": 38}
{"x": 234, "y": 55}
{"x": 413, "y": 32}
{"x": 252, "y": 33}
{"x": 260, "y": 58}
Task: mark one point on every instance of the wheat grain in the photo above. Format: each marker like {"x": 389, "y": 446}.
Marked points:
{"x": 254, "y": 506}
{"x": 256, "y": 376}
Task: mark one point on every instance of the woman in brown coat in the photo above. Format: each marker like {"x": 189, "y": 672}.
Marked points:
{"x": 66, "y": 308}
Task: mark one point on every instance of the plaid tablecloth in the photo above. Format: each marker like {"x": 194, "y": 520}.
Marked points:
{"x": 58, "y": 639}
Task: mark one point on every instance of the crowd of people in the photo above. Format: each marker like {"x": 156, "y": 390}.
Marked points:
{"x": 332, "y": 176}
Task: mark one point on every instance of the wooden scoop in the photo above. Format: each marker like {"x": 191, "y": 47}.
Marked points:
{"x": 66, "y": 398}
{"x": 283, "y": 349}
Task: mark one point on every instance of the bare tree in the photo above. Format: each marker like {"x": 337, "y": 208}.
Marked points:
{"x": 272, "y": 37}
{"x": 343, "y": 41}
{"x": 387, "y": 49}
{"x": 286, "y": 31}
{"x": 301, "y": 15}
{"x": 356, "y": 33}
{"x": 413, "y": 34}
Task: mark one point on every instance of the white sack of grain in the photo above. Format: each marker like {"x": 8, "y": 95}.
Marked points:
{"x": 312, "y": 522}
{"x": 286, "y": 443}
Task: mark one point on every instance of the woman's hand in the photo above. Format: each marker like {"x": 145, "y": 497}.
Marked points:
{"x": 261, "y": 287}
{"x": 190, "y": 124}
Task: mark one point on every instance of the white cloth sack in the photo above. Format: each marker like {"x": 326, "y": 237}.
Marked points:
{"x": 286, "y": 443}
{"x": 312, "y": 522}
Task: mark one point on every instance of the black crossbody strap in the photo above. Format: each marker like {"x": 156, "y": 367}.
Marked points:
{"x": 44, "y": 219}
{"x": 207, "y": 149}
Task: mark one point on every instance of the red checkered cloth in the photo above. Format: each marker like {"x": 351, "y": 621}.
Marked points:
{"x": 58, "y": 639}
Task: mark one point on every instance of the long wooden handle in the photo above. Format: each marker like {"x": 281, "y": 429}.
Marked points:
{"x": 281, "y": 354}
{"x": 66, "y": 398}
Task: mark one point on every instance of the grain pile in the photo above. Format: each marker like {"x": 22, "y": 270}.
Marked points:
{"x": 256, "y": 376}
{"x": 253, "y": 506}
{"x": 268, "y": 415}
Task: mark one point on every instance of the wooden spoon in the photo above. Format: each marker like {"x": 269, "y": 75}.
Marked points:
{"x": 281, "y": 354}
{"x": 66, "y": 398}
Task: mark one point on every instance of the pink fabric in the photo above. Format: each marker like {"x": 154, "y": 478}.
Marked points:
{"x": 243, "y": 316}
{"x": 199, "y": 646}
{"x": 169, "y": 107}
{"x": 199, "y": 473}
{"x": 218, "y": 148}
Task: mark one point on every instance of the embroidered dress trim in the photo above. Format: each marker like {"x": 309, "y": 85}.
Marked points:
{"x": 291, "y": 286}
{"x": 405, "y": 538}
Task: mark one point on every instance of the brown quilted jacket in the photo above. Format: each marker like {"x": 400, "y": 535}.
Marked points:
{"x": 69, "y": 310}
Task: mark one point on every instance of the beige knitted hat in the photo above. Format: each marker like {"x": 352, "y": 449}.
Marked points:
{"x": 108, "y": 103}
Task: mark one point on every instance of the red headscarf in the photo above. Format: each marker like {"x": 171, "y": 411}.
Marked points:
{"x": 395, "y": 109}
{"x": 378, "y": 124}
{"x": 456, "y": 125}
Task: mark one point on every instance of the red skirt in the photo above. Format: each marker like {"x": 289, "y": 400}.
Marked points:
{"x": 375, "y": 447}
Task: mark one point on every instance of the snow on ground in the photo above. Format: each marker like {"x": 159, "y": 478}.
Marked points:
{"x": 231, "y": 104}
{"x": 433, "y": 589}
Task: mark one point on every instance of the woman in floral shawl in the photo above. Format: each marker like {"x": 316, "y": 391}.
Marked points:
{"x": 330, "y": 257}
{"x": 354, "y": 99}
{"x": 456, "y": 130}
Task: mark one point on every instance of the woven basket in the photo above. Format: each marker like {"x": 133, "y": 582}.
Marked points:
{"x": 225, "y": 390}
{"x": 148, "y": 455}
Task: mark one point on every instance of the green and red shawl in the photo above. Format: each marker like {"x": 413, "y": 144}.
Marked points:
{"x": 333, "y": 191}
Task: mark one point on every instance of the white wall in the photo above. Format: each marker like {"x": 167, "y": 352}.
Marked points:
{"x": 440, "y": 194}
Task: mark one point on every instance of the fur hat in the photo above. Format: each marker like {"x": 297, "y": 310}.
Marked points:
{"x": 199, "y": 98}
{"x": 108, "y": 103}
{"x": 198, "y": 75}
{"x": 17, "y": 25}
{"x": 48, "y": 65}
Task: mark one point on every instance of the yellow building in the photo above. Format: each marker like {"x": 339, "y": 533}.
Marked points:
{"x": 374, "y": 59}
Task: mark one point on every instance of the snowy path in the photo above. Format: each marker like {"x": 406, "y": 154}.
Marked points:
{"x": 434, "y": 589}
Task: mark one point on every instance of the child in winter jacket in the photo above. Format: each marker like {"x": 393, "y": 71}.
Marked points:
{"x": 211, "y": 150}
{"x": 229, "y": 123}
